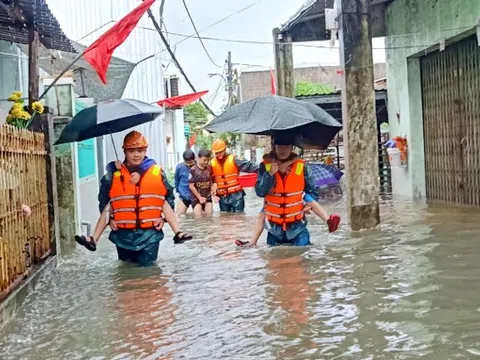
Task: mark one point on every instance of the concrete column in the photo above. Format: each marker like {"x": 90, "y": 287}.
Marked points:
{"x": 64, "y": 160}
{"x": 283, "y": 63}
{"x": 359, "y": 119}
{"x": 289, "y": 78}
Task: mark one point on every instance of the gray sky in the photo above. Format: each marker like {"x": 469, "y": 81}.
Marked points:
{"x": 255, "y": 24}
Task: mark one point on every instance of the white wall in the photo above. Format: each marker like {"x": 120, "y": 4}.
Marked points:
{"x": 79, "y": 18}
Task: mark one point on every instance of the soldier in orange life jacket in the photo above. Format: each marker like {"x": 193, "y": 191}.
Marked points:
{"x": 225, "y": 171}
{"x": 284, "y": 192}
{"x": 136, "y": 194}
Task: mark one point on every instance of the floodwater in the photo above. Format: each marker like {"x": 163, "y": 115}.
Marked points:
{"x": 407, "y": 290}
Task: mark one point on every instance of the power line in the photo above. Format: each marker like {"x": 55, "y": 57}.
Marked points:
{"x": 208, "y": 27}
{"x": 214, "y": 97}
{"x": 174, "y": 58}
{"x": 198, "y": 35}
{"x": 222, "y": 20}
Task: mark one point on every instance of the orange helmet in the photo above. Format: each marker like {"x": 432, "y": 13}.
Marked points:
{"x": 134, "y": 140}
{"x": 219, "y": 146}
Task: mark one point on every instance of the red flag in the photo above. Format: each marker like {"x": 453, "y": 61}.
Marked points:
{"x": 272, "y": 82}
{"x": 181, "y": 100}
{"x": 100, "y": 52}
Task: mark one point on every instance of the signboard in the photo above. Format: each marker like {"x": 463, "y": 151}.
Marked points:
{"x": 186, "y": 129}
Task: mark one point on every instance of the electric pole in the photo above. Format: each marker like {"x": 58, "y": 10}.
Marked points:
{"x": 229, "y": 79}
{"x": 359, "y": 118}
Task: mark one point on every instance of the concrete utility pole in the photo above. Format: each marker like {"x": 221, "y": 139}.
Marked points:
{"x": 359, "y": 118}
{"x": 284, "y": 64}
{"x": 229, "y": 79}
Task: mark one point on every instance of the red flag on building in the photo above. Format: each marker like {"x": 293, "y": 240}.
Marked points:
{"x": 182, "y": 100}
{"x": 100, "y": 52}
{"x": 272, "y": 82}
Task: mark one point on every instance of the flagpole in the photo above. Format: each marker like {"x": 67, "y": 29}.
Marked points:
{"x": 59, "y": 76}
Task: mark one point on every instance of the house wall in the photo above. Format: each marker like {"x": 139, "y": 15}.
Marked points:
{"x": 257, "y": 83}
{"x": 413, "y": 27}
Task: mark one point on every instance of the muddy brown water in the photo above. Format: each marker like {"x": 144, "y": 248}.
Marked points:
{"x": 406, "y": 290}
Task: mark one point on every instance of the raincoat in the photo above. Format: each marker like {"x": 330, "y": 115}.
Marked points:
{"x": 138, "y": 239}
{"x": 235, "y": 202}
{"x": 296, "y": 233}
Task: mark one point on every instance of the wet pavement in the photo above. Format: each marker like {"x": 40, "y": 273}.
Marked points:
{"x": 407, "y": 290}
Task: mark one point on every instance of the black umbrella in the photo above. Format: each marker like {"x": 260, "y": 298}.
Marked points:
{"x": 311, "y": 125}
{"x": 107, "y": 117}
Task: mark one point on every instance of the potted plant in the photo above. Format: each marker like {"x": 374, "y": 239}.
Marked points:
{"x": 19, "y": 114}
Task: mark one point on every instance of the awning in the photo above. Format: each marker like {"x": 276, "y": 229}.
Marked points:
{"x": 308, "y": 23}
{"x": 182, "y": 100}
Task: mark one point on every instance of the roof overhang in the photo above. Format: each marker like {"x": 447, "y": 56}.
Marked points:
{"x": 308, "y": 23}
{"x": 18, "y": 16}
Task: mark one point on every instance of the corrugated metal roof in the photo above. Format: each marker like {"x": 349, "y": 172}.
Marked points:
{"x": 309, "y": 8}
{"x": 304, "y": 24}
{"x": 15, "y": 15}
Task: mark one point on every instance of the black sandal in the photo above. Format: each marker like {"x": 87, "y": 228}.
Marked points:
{"x": 181, "y": 239}
{"x": 86, "y": 241}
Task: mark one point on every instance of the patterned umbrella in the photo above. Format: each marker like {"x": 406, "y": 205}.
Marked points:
{"x": 325, "y": 175}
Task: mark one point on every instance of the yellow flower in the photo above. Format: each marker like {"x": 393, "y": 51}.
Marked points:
{"x": 38, "y": 107}
{"x": 17, "y": 113}
{"x": 17, "y": 106}
{"x": 17, "y": 94}
{"x": 10, "y": 119}
{"x": 13, "y": 97}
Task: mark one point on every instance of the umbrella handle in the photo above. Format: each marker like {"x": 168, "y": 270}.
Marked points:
{"x": 113, "y": 144}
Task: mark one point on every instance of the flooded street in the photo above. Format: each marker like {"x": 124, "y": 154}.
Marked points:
{"x": 407, "y": 290}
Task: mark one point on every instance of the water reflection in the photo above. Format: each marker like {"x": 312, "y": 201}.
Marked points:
{"x": 145, "y": 314}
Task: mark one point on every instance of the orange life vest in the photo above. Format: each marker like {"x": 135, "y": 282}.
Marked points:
{"x": 284, "y": 204}
{"x": 226, "y": 176}
{"x": 137, "y": 206}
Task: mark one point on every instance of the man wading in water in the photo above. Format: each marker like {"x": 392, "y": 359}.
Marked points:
{"x": 226, "y": 168}
{"x": 283, "y": 184}
{"x": 136, "y": 194}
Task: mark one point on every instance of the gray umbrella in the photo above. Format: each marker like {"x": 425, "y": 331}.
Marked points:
{"x": 311, "y": 125}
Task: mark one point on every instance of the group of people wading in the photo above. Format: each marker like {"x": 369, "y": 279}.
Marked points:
{"x": 136, "y": 199}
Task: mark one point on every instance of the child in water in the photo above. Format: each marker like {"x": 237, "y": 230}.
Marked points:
{"x": 333, "y": 221}
{"x": 200, "y": 182}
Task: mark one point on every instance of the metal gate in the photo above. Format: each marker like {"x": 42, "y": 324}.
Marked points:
{"x": 451, "y": 122}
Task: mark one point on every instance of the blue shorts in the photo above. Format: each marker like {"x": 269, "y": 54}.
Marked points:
{"x": 307, "y": 198}
{"x": 302, "y": 239}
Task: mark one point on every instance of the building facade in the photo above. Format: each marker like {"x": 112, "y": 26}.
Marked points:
{"x": 84, "y": 21}
{"x": 254, "y": 84}
{"x": 433, "y": 62}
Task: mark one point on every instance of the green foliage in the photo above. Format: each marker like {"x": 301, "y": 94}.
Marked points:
{"x": 196, "y": 115}
{"x": 204, "y": 141}
{"x": 308, "y": 88}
